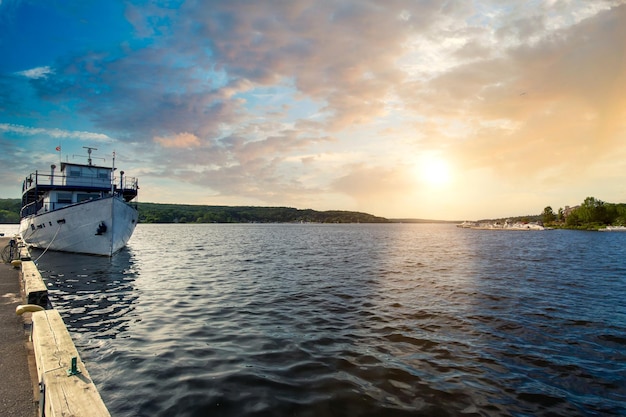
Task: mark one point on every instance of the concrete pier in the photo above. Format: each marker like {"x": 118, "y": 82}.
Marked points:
{"x": 42, "y": 375}
{"x": 17, "y": 394}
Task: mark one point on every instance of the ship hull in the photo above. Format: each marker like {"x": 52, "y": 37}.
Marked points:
{"x": 95, "y": 227}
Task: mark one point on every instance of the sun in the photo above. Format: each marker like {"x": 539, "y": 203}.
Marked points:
{"x": 433, "y": 170}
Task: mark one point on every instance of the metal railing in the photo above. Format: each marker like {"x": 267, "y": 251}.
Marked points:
{"x": 36, "y": 185}
{"x": 93, "y": 181}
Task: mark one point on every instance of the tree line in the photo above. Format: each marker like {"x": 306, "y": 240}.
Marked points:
{"x": 10, "y": 210}
{"x": 186, "y": 213}
{"x": 182, "y": 213}
{"x": 591, "y": 214}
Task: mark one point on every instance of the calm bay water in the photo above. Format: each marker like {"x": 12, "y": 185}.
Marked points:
{"x": 350, "y": 320}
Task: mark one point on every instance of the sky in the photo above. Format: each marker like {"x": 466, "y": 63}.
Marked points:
{"x": 449, "y": 110}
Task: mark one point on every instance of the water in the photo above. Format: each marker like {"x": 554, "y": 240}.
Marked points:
{"x": 350, "y": 320}
{"x": 9, "y": 230}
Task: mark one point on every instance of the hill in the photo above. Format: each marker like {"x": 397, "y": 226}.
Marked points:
{"x": 182, "y": 213}
{"x": 187, "y": 213}
{"x": 10, "y": 210}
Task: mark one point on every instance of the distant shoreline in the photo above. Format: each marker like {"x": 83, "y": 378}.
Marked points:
{"x": 424, "y": 221}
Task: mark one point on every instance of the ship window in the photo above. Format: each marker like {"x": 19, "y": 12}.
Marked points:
{"x": 64, "y": 198}
{"x": 103, "y": 175}
{"x": 74, "y": 172}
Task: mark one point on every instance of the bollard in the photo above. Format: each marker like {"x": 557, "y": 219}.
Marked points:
{"x": 73, "y": 369}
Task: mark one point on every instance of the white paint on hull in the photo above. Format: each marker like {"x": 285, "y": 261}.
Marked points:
{"x": 75, "y": 228}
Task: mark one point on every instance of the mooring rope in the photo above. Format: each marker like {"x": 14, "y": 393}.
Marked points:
{"x": 54, "y": 237}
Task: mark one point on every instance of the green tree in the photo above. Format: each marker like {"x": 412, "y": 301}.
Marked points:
{"x": 10, "y": 210}
{"x": 592, "y": 210}
{"x": 548, "y": 215}
{"x": 9, "y": 217}
{"x": 573, "y": 219}
{"x": 615, "y": 214}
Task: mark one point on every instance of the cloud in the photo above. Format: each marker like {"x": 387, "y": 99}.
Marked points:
{"x": 36, "y": 73}
{"x": 539, "y": 110}
{"x": 282, "y": 142}
{"x": 202, "y": 61}
{"x": 20, "y": 160}
{"x": 181, "y": 140}
{"x": 55, "y": 133}
{"x": 364, "y": 182}
{"x": 342, "y": 53}
{"x": 266, "y": 169}
{"x": 144, "y": 93}
{"x": 228, "y": 97}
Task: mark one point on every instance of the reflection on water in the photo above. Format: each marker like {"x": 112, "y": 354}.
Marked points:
{"x": 96, "y": 294}
{"x": 359, "y": 320}
{"x": 544, "y": 303}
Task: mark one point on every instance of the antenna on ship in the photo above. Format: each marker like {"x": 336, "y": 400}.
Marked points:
{"x": 89, "y": 149}
{"x": 113, "y": 175}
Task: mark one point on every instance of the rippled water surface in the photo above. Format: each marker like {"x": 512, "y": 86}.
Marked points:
{"x": 350, "y": 320}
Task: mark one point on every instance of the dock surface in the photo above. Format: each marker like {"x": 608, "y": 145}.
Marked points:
{"x": 16, "y": 388}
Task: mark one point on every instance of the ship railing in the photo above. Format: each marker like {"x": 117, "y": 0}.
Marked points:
{"x": 36, "y": 178}
{"x": 31, "y": 208}
{"x": 41, "y": 206}
{"x": 126, "y": 187}
{"x": 126, "y": 183}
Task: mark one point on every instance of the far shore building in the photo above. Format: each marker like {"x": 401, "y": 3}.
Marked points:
{"x": 568, "y": 210}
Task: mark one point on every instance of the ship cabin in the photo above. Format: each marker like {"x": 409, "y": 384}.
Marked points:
{"x": 74, "y": 183}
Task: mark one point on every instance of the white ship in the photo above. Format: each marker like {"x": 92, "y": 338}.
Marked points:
{"x": 82, "y": 209}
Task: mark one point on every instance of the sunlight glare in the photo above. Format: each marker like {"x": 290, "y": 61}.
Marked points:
{"x": 434, "y": 171}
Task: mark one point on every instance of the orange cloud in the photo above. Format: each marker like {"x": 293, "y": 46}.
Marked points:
{"x": 547, "y": 109}
{"x": 181, "y": 140}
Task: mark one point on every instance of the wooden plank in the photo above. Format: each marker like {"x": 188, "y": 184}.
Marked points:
{"x": 64, "y": 395}
{"x": 34, "y": 287}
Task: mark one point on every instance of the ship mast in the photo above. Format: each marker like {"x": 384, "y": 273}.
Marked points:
{"x": 89, "y": 149}
{"x": 113, "y": 175}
